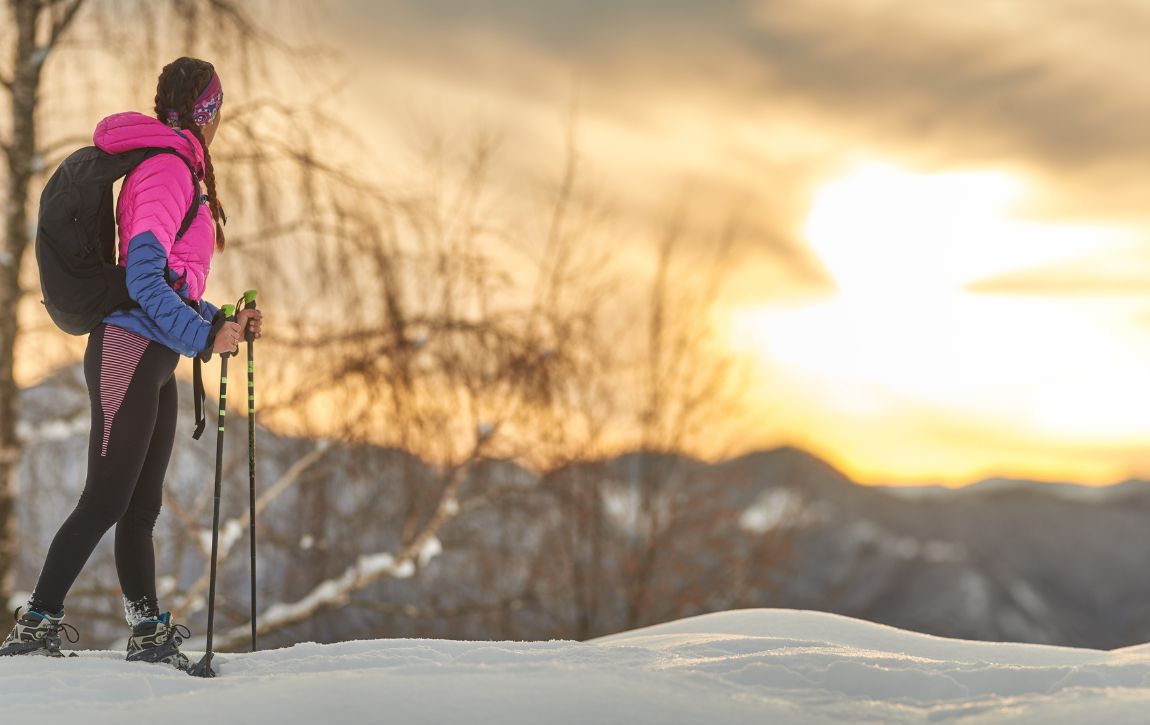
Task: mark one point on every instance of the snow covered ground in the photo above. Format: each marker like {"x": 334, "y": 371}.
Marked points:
{"x": 747, "y": 666}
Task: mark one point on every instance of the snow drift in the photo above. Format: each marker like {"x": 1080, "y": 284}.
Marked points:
{"x": 744, "y": 666}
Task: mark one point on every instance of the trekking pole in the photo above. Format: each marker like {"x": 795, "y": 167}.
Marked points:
{"x": 249, "y": 300}
{"x": 203, "y": 668}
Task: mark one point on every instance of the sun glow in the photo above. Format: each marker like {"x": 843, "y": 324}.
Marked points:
{"x": 903, "y": 331}
{"x": 888, "y": 234}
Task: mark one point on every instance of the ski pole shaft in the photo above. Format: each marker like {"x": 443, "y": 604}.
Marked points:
{"x": 204, "y": 667}
{"x": 250, "y": 304}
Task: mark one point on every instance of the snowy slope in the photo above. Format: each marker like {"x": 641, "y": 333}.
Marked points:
{"x": 776, "y": 666}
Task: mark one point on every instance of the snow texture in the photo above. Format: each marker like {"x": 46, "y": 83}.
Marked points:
{"x": 53, "y": 430}
{"x": 778, "y": 666}
{"x": 431, "y": 549}
{"x": 135, "y": 612}
{"x": 230, "y": 532}
{"x": 338, "y": 589}
{"x": 770, "y": 511}
{"x": 19, "y": 598}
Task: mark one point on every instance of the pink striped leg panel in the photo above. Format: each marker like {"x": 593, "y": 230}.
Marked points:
{"x": 121, "y": 355}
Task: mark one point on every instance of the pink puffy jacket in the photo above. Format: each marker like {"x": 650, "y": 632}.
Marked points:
{"x": 162, "y": 272}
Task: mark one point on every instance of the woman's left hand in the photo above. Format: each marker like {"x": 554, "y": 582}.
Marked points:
{"x": 251, "y": 319}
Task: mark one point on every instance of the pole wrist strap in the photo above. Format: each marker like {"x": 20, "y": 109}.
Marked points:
{"x": 199, "y": 396}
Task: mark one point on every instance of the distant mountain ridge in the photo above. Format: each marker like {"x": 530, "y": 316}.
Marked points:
{"x": 1001, "y": 559}
{"x": 1065, "y": 489}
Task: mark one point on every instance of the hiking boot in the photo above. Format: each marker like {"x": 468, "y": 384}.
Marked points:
{"x": 158, "y": 640}
{"x": 37, "y": 633}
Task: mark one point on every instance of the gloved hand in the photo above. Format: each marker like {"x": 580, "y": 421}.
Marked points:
{"x": 250, "y": 319}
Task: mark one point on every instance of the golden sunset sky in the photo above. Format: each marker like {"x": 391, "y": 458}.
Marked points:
{"x": 946, "y": 271}
{"x": 945, "y": 260}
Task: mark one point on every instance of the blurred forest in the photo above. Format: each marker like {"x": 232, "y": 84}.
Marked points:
{"x": 424, "y": 352}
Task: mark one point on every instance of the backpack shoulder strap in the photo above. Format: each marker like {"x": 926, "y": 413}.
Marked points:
{"x": 190, "y": 216}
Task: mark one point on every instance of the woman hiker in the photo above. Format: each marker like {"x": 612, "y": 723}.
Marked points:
{"x": 131, "y": 358}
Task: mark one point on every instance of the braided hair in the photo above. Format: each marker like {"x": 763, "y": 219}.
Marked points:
{"x": 180, "y": 83}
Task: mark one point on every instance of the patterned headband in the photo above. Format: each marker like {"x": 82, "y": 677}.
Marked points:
{"x": 207, "y": 104}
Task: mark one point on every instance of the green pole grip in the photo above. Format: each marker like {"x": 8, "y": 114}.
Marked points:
{"x": 230, "y": 314}
{"x": 249, "y": 300}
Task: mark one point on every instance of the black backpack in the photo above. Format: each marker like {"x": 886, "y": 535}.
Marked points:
{"x": 76, "y": 236}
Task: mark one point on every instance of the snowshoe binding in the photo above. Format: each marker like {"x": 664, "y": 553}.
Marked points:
{"x": 37, "y": 633}
{"x": 158, "y": 640}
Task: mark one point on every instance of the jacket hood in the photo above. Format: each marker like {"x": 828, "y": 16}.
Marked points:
{"x": 129, "y": 131}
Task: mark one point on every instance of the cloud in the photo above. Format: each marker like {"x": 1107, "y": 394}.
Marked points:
{"x": 1051, "y": 90}
{"x": 1059, "y": 77}
{"x": 771, "y": 96}
{"x": 1116, "y": 274}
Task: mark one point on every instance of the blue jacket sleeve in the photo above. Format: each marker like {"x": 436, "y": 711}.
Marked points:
{"x": 147, "y": 285}
{"x": 208, "y": 310}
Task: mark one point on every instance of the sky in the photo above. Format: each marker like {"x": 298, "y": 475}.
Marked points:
{"x": 943, "y": 270}
{"x": 942, "y": 263}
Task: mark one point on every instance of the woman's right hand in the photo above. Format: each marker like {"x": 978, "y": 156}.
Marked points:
{"x": 228, "y": 338}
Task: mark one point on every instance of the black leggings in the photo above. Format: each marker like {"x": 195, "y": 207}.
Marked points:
{"x": 132, "y": 388}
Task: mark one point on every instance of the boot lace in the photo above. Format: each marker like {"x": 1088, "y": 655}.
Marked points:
{"x": 54, "y": 628}
{"x": 180, "y": 633}
{"x": 175, "y": 632}
{"x": 70, "y": 633}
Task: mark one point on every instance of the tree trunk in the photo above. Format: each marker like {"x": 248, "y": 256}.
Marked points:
{"x": 20, "y": 152}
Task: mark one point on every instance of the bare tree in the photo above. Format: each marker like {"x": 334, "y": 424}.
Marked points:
{"x": 433, "y": 322}
{"x": 38, "y": 27}
{"x": 440, "y": 353}
{"x": 41, "y": 34}
{"x": 686, "y": 389}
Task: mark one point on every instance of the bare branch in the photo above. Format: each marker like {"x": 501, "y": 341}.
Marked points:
{"x": 289, "y": 478}
{"x": 242, "y": 23}
{"x": 369, "y": 568}
{"x": 514, "y": 603}
{"x": 67, "y": 143}
{"x": 61, "y": 24}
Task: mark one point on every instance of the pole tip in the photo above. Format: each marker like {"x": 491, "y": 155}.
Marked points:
{"x": 203, "y": 668}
